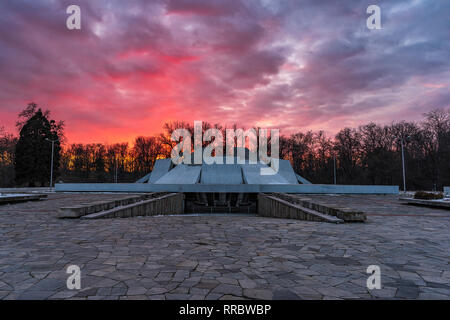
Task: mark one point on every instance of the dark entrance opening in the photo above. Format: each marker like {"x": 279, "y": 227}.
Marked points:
{"x": 220, "y": 202}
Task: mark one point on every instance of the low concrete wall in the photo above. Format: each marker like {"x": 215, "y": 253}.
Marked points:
{"x": 172, "y": 203}
{"x": 427, "y": 203}
{"x": 271, "y": 206}
{"x": 235, "y": 188}
{"x": 11, "y": 198}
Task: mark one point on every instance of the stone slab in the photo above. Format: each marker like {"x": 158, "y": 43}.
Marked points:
{"x": 161, "y": 167}
{"x": 287, "y": 172}
{"x": 221, "y": 174}
{"x": 268, "y": 258}
{"x": 252, "y": 175}
{"x": 181, "y": 174}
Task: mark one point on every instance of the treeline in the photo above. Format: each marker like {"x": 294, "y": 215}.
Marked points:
{"x": 369, "y": 154}
{"x": 109, "y": 163}
{"x": 7, "y": 150}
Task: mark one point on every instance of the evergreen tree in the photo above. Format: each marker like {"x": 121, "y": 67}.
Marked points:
{"x": 33, "y": 150}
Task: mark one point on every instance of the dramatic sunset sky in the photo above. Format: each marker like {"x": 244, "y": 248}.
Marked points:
{"x": 288, "y": 64}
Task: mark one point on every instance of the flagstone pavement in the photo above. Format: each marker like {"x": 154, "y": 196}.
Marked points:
{"x": 224, "y": 257}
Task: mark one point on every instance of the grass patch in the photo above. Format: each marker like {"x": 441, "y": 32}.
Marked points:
{"x": 428, "y": 195}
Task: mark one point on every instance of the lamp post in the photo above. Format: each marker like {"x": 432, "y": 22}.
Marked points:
{"x": 51, "y": 163}
{"x": 115, "y": 166}
{"x": 403, "y": 141}
{"x": 334, "y": 167}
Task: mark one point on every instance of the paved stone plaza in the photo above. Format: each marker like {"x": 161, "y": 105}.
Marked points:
{"x": 224, "y": 257}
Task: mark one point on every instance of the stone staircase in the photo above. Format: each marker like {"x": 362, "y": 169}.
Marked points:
{"x": 291, "y": 206}
{"x": 141, "y": 205}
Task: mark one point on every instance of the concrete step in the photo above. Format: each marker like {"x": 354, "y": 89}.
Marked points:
{"x": 89, "y": 208}
{"x": 272, "y": 206}
{"x": 319, "y": 215}
{"x": 172, "y": 203}
{"x": 345, "y": 213}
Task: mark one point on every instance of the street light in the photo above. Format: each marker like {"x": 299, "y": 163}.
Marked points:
{"x": 334, "y": 167}
{"x": 115, "y": 165}
{"x": 51, "y": 164}
{"x": 403, "y": 141}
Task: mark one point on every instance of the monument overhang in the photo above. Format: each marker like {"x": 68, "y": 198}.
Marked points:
{"x": 227, "y": 188}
